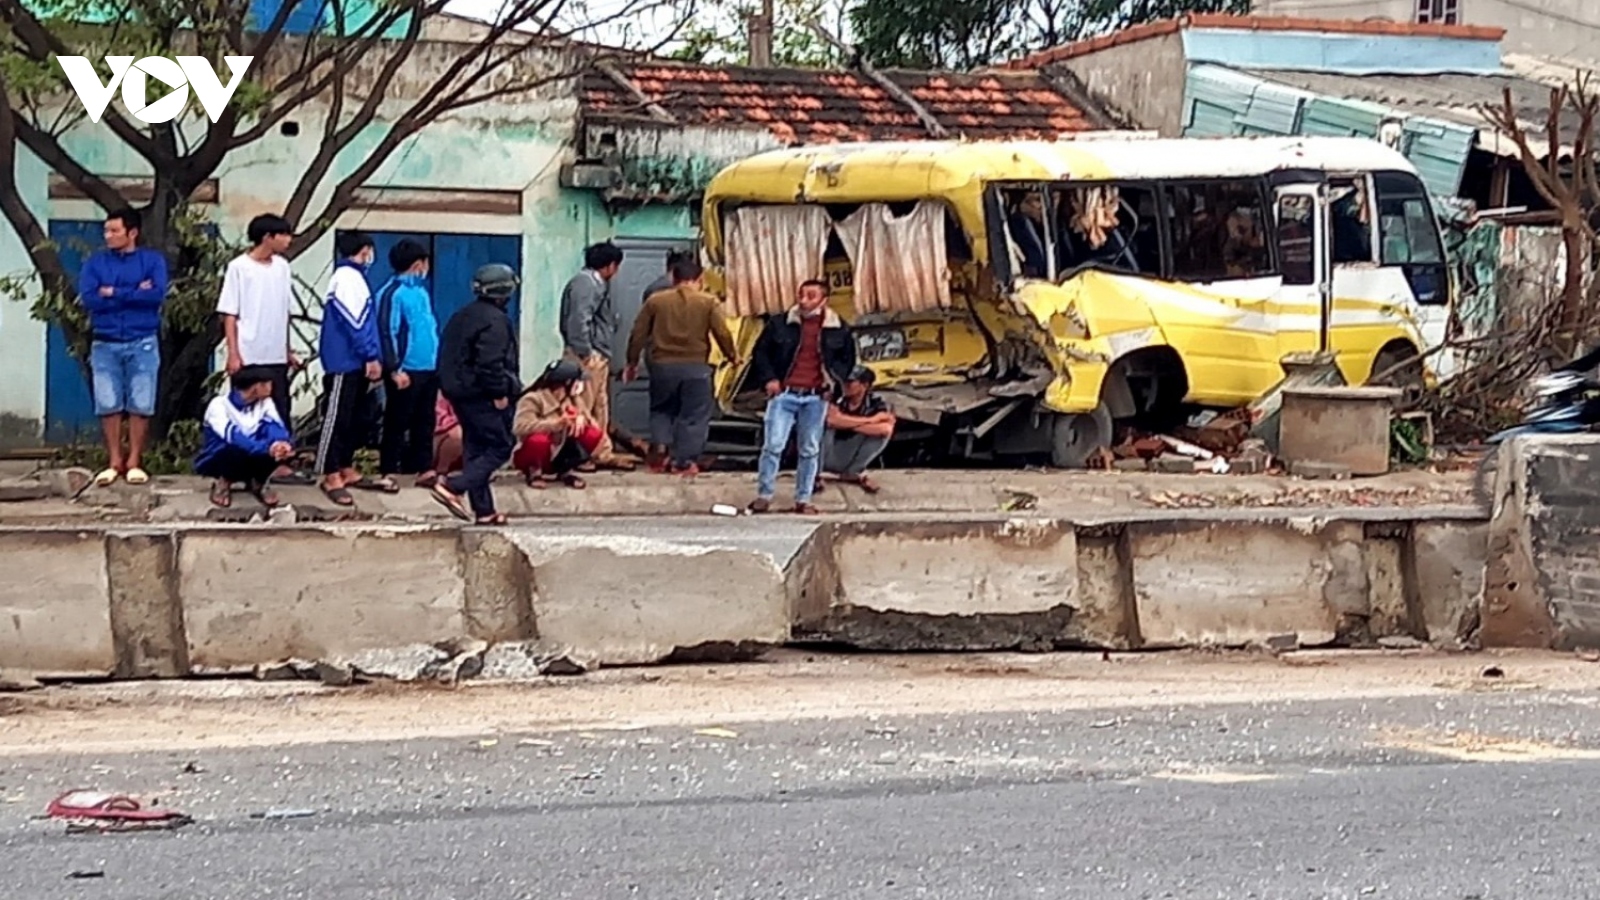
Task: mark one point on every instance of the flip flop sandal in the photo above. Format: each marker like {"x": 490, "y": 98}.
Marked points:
{"x": 221, "y": 495}
{"x": 106, "y": 478}
{"x": 113, "y": 809}
{"x": 383, "y": 485}
{"x": 137, "y": 475}
{"x": 268, "y": 497}
{"x": 449, "y": 501}
{"x": 496, "y": 519}
{"x": 340, "y": 496}
{"x": 574, "y": 482}
{"x": 427, "y": 481}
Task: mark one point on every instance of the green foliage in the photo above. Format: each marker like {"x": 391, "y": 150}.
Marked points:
{"x": 1406, "y": 443}
{"x": 970, "y": 34}
{"x": 172, "y": 456}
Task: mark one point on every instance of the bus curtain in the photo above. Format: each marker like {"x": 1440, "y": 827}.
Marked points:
{"x": 899, "y": 263}
{"x": 771, "y": 250}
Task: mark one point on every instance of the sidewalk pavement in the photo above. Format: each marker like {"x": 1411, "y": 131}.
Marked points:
{"x": 904, "y": 491}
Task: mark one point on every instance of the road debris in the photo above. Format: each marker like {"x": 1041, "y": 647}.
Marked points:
{"x": 277, "y": 815}
{"x": 80, "y": 874}
{"x": 87, "y": 811}
{"x": 716, "y": 733}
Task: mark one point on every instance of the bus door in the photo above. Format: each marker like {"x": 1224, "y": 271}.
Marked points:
{"x": 1302, "y": 231}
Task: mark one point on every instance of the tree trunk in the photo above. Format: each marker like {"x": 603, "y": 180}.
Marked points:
{"x": 1574, "y": 322}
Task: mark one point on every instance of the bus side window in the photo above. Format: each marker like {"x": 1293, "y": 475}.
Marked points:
{"x": 1351, "y": 215}
{"x": 1296, "y": 244}
{"x": 1030, "y": 232}
{"x": 1407, "y": 231}
{"x": 1217, "y": 231}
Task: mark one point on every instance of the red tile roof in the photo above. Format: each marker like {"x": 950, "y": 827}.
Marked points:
{"x": 808, "y": 106}
{"x": 1254, "y": 23}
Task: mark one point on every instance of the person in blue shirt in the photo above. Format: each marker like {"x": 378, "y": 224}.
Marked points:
{"x": 352, "y": 361}
{"x": 410, "y": 335}
{"x": 244, "y": 439}
{"x": 122, "y": 288}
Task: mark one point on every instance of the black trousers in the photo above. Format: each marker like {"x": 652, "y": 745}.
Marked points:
{"x": 343, "y": 427}
{"x": 486, "y": 445}
{"x": 681, "y": 398}
{"x": 408, "y": 425}
{"x": 239, "y": 467}
{"x": 280, "y": 393}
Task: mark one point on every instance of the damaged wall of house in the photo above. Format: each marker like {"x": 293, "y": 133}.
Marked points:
{"x": 1143, "y": 81}
{"x": 672, "y": 164}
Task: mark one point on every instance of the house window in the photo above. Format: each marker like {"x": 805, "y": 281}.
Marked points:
{"x": 1443, "y": 12}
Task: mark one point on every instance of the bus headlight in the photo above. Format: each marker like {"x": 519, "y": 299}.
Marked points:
{"x": 880, "y": 345}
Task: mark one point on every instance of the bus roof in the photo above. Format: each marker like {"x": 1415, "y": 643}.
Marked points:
{"x": 907, "y": 170}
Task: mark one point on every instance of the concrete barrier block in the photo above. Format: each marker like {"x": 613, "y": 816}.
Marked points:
{"x": 498, "y": 587}
{"x": 624, "y": 600}
{"x": 55, "y": 609}
{"x": 1237, "y": 583}
{"x": 253, "y": 595}
{"x": 1448, "y": 559}
{"x": 951, "y": 585}
{"x": 146, "y": 613}
{"x": 1106, "y": 615}
{"x": 1542, "y": 585}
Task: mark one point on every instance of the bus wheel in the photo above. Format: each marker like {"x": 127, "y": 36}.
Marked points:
{"x": 1075, "y": 437}
{"x": 1398, "y": 367}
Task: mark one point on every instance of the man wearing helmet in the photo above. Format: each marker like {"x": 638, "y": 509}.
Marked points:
{"x": 478, "y": 375}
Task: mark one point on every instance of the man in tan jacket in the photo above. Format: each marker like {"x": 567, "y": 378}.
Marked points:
{"x": 677, "y": 326}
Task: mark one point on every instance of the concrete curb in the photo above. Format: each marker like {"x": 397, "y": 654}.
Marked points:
{"x": 172, "y": 601}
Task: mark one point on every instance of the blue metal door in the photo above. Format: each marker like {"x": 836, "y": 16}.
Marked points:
{"x": 68, "y": 405}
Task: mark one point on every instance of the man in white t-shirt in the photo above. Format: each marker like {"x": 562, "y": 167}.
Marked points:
{"x": 257, "y": 297}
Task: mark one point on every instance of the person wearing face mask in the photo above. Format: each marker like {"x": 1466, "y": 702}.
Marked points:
{"x": 352, "y": 361}
{"x": 554, "y": 435}
{"x": 479, "y": 377}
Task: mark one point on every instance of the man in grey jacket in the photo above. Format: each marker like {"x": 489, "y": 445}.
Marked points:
{"x": 589, "y": 330}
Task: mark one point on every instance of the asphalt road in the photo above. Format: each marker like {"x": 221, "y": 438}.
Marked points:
{"x": 1472, "y": 796}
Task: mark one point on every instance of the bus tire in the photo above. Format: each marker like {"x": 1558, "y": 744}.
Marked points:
{"x": 1074, "y": 437}
{"x": 1408, "y": 379}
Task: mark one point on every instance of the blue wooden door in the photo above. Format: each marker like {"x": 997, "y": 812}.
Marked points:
{"x": 457, "y": 256}
{"x": 68, "y": 405}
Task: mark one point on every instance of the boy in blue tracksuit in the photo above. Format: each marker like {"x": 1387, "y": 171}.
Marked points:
{"x": 351, "y": 358}
{"x": 244, "y": 438}
{"x": 122, "y": 288}
{"x": 410, "y": 336}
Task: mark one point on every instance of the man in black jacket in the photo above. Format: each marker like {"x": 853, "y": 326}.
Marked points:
{"x": 478, "y": 375}
{"x": 801, "y": 360}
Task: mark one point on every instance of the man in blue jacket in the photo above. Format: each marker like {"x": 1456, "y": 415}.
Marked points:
{"x": 351, "y": 358}
{"x": 122, "y": 287}
{"x": 410, "y": 334}
{"x": 244, "y": 438}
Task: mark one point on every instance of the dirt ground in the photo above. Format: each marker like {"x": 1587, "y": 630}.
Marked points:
{"x": 787, "y": 685}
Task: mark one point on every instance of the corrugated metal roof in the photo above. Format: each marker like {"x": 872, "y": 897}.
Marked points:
{"x": 1452, "y": 97}
{"x": 1222, "y": 101}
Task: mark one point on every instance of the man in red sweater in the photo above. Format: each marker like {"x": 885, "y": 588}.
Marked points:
{"x": 801, "y": 359}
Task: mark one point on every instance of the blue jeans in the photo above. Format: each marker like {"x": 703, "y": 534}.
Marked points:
{"x": 803, "y": 415}
{"x": 124, "y": 375}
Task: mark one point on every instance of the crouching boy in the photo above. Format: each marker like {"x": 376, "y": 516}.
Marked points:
{"x": 244, "y": 439}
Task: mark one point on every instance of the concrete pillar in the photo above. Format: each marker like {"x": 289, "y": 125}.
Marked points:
{"x": 146, "y": 612}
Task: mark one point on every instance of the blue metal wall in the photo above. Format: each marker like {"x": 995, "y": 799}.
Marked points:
{"x": 1221, "y": 102}
{"x": 68, "y": 406}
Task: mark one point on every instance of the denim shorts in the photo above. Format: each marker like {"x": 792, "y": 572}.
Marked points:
{"x": 125, "y": 376}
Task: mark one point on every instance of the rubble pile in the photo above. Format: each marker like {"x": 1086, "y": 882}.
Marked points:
{"x": 1213, "y": 443}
